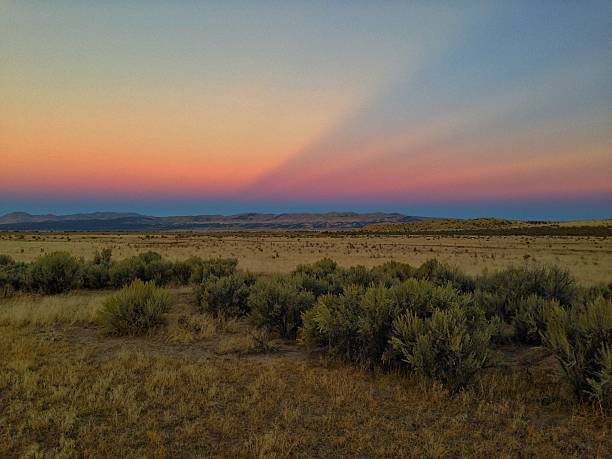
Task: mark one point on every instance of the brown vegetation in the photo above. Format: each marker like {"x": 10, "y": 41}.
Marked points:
{"x": 206, "y": 387}
{"x": 589, "y": 258}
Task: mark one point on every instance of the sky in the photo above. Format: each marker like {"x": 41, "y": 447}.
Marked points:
{"x": 458, "y": 109}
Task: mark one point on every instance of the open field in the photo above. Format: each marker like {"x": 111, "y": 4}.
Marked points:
{"x": 200, "y": 386}
{"x": 589, "y": 257}
{"x": 216, "y": 383}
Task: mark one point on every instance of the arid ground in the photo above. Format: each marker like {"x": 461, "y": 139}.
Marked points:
{"x": 201, "y": 387}
{"x": 588, "y": 257}
{"x": 204, "y": 386}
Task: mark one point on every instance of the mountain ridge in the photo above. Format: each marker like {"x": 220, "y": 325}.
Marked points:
{"x": 109, "y": 221}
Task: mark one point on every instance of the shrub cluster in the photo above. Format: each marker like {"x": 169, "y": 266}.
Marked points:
{"x": 135, "y": 309}
{"x": 433, "y": 330}
{"x": 433, "y": 320}
{"x": 277, "y": 303}
{"x": 13, "y": 276}
{"x": 581, "y": 339}
{"x": 449, "y": 346}
{"x": 54, "y": 273}
{"x": 60, "y": 272}
{"x": 503, "y": 292}
{"x": 225, "y": 295}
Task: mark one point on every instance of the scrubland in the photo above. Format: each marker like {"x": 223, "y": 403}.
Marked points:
{"x": 201, "y": 386}
{"x": 319, "y": 360}
{"x": 589, "y": 257}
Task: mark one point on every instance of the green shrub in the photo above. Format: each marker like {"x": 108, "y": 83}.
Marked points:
{"x": 354, "y": 325}
{"x": 13, "y": 277}
{"x": 135, "y": 309}
{"x": 159, "y": 271}
{"x": 580, "y": 339}
{"x": 277, "y": 303}
{"x": 443, "y": 274}
{"x": 6, "y": 260}
{"x": 96, "y": 273}
{"x": 377, "y": 310}
{"x": 334, "y": 322}
{"x": 357, "y": 325}
{"x": 513, "y": 285}
{"x": 96, "y": 276}
{"x": 532, "y": 315}
{"x": 216, "y": 267}
{"x": 591, "y": 293}
{"x": 423, "y": 297}
{"x": 181, "y": 272}
{"x": 126, "y": 271}
{"x": 391, "y": 273}
{"x": 226, "y": 295}
{"x": 56, "y": 272}
{"x": 446, "y": 347}
{"x": 320, "y": 278}
{"x": 149, "y": 257}
{"x": 355, "y": 275}
{"x": 148, "y": 266}
{"x": 600, "y": 381}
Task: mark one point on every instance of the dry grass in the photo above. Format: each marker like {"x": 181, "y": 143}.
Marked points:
{"x": 452, "y": 224}
{"x": 589, "y": 258}
{"x": 70, "y": 309}
{"x": 194, "y": 388}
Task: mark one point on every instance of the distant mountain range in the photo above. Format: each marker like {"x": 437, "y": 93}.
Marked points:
{"x": 117, "y": 221}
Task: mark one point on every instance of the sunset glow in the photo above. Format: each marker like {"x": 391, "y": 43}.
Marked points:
{"x": 424, "y": 108}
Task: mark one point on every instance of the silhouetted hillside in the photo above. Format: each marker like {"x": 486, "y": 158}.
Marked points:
{"x": 111, "y": 221}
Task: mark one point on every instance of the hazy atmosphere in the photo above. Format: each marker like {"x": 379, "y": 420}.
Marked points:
{"x": 305, "y": 229}
{"x": 444, "y": 109}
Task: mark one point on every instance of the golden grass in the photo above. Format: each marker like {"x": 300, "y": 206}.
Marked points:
{"x": 589, "y": 258}
{"x": 69, "y": 309}
{"x": 452, "y": 224}
{"x": 194, "y": 389}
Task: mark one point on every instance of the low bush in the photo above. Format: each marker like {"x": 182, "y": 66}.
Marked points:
{"x": 580, "y": 340}
{"x": 6, "y": 260}
{"x": 159, "y": 271}
{"x": 334, "y": 322}
{"x": 356, "y": 275}
{"x": 181, "y": 272}
{"x": 391, "y": 273}
{"x": 226, "y": 295}
{"x": 56, "y": 272}
{"x": 531, "y": 318}
{"x": 357, "y": 325}
{"x": 135, "y": 309}
{"x": 443, "y": 274}
{"x": 13, "y": 277}
{"x": 277, "y": 303}
{"x": 513, "y": 285}
{"x": 148, "y": 266}
{"x": 320, "y": 278}
{"x": 446, "y": 347}
{"x": 95, "y": 276}
{"x": 216, "y": 267}
{"x": 125, "y": 271}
